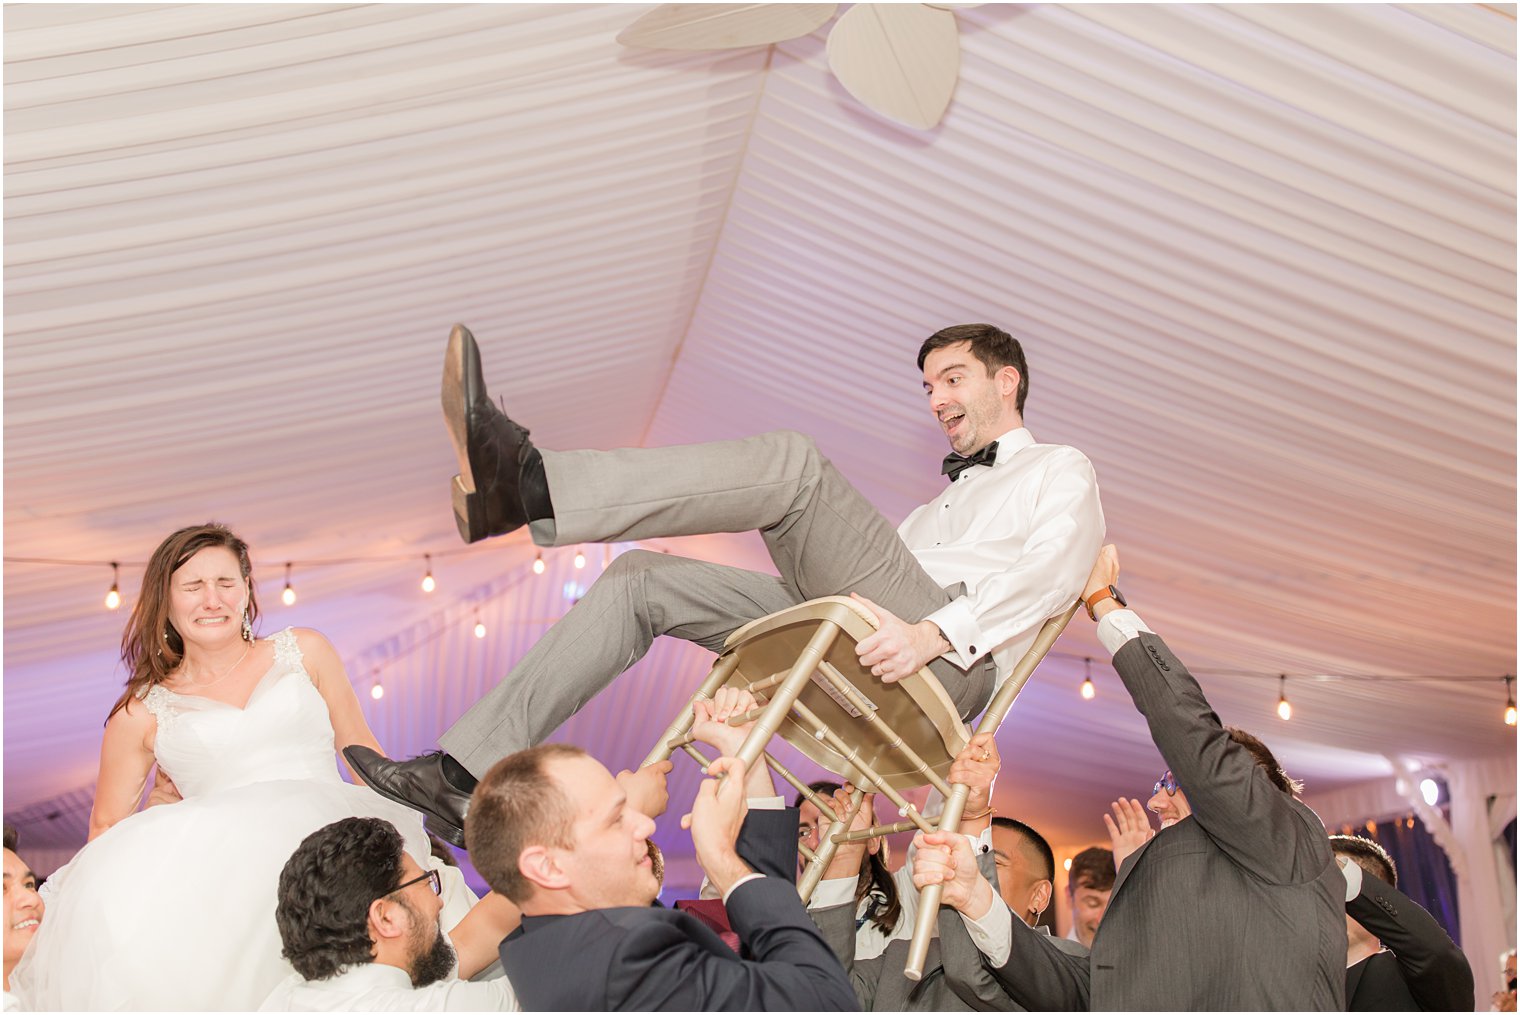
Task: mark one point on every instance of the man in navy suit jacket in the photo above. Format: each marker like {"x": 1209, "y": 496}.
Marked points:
{"x": 553, "y": 831}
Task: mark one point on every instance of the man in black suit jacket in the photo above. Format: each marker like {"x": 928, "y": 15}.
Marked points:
{"x": 1398, "y": 958}
{"x": 1235, "y": 904}
{"x": 551, "y": 829}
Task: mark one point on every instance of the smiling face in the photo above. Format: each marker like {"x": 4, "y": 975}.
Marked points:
{"x": 973, "y": 407}
{"x": 1087, "y": 907}
{"x": 207, "y": 595}
{"x": 609, "y": 864}
{"x": 1171, "y": 806}
{"x": 23, "y": 910}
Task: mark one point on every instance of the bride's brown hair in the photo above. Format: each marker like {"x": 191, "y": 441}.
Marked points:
{"x": 150, "y": 647}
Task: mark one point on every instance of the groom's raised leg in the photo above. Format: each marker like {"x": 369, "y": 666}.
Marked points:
{"x": 640, "y": 596}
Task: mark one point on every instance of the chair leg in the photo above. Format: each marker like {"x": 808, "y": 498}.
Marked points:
{"x": 781, "y": 702}
{"x": 826, "y": 847}
{"x": 722, "y": 669}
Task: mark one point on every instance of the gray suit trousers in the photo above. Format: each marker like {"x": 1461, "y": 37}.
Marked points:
{"x": 824, "y": 537}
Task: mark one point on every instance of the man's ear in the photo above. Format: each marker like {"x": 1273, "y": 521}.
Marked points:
{"x": 1008, "y": 381}
{"x": 385, "y": 921}
{"x": 1040, "y": 898}
{"x": 541, "y": 866}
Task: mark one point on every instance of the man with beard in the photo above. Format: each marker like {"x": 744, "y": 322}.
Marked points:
{"x": 359, "y": 921}
{"x": 961, "y": 586}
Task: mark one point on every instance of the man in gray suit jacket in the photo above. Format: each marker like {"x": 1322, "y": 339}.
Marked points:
{"x": 1235, "y": 904}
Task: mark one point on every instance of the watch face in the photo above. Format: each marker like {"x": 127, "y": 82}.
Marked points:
{"x": 1113, "y": 590}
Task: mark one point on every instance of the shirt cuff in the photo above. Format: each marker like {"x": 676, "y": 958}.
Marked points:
{"x": 742, "y": 881}
{"x": 980, "y": 843}
{"x": 1118, "y": 626}
{"x": 833, "y": 892}
{"x": 961, "y": 630}
{"x": 993, "y": 933}
{"x": 1352, "y": 872}
{"x": 766, "y": 803}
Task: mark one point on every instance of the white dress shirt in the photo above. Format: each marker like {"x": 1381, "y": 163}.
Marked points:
{"x": 375, "y": 986}
{"x": 1022, "y": 534}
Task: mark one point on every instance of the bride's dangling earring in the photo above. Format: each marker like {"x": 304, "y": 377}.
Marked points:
{"x": 247, "y": 627}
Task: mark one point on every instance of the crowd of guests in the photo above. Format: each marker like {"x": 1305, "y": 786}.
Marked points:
{"x": 257, "y": 877}
{"x": 1240, "y": 900}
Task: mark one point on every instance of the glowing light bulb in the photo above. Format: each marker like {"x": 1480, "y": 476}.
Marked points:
{"x": 288, "y": 597}
{"x": 1088, "y": 691}
{"x": 1430, "y": 791}
{"x": 1066, "y": 863}
{"x": 1284, "y": 710}
{"x": 538, "y": 564}
{"x": 480, "y": 629}
{"x": 428, "y": 584}
{"x": 377, "y": 692}
{"x": 1509, "y": 714}
{"x": 580, "y": 559}
{"x": 113, "y": 597}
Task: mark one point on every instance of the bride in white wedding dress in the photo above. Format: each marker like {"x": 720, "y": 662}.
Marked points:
{"x": 173, "y": 907}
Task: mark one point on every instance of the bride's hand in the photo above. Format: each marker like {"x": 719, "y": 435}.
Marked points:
{"x": 164, "y": 791}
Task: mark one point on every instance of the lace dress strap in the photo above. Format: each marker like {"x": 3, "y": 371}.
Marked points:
{"x": 160, "y": 705}
{"x": 287, "y": 652}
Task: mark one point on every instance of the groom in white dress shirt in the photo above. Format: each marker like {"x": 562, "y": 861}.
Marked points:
{"x": 359, "y": 921}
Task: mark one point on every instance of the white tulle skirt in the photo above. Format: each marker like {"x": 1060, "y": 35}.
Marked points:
{"x": 173, "y": 908}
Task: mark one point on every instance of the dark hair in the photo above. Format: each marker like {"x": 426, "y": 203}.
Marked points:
{"x": 1092, "y": 868}
{"x": 11, "y": 838}
{"x": 325, "y": 892}
{"x": 1367, "y": 855}
{"x": 1035, "y": 841}
{"x": 150, "y": 647}
{"x": 517, "y": 805}
{"x": 990, "y": 344}
{"x": 1266, "y": 760}
{"x": 874, "y": 875}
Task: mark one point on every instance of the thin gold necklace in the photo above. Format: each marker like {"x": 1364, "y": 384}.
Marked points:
{"x": 224, "y": 676}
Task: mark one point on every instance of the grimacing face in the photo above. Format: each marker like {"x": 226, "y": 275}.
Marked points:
{"x": 207, "y": 594}
{"x": 967, "y": 401}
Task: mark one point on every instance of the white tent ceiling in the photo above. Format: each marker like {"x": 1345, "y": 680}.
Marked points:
{"x": 1262, "y": 260}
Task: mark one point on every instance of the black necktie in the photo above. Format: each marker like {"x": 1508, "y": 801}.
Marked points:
{"x": 955, "y": 464}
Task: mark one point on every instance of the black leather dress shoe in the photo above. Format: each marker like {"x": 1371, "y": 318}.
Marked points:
{"x": 491, "y": 449}
{"x": 419, "y": 784}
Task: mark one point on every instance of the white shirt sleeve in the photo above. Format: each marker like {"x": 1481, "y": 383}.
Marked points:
{"x": 993, "y": 933}
{"x": 1118, "y": 626}
{"x": 742, "y": 881}
{"x": 1048, "y": 562}
{"x": 833, "y": 892}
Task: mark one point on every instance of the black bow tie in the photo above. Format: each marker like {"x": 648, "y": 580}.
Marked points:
{"x": 955, "y": 464}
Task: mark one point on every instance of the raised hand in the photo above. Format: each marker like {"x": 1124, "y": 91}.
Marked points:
{"x": 714, "y": 821}
{"x": 898, "y": 649}
{"x": 1128, "y": 829}
{"x": 646, "y": 788}
{"x": 848, "y": 856}
{"x": 710, "y": 720}
{"x": 977, "y": 766}
{"x": 940, "y": 858}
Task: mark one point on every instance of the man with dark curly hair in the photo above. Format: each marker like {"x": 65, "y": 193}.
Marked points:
{"x": 359, "y": 921}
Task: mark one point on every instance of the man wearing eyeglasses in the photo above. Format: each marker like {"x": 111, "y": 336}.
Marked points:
{"x": 1235, "y": 904}
{"x": 359, "y": 921}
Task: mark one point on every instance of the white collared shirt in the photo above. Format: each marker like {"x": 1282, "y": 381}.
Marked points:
{"x": 1022, "y": 534}
{"x": 375, "y": 986}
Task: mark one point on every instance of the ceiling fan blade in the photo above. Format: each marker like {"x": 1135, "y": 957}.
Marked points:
{"x": 901, "y": 60}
